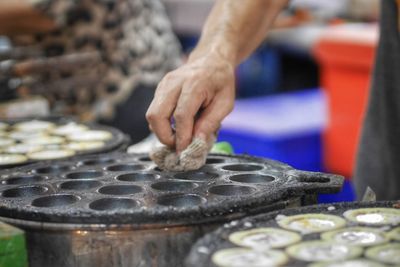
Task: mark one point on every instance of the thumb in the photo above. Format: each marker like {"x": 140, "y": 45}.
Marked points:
{"x": 209, "y": 122}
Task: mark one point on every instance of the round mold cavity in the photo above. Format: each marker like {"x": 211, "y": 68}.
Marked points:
{"x": 145, "y": 159}
{"x": 25, "y": 191}
{"x": 242, "y": 167}
{"x": 80, "y": 185}
{"x": 24, "y": 179}
{"x": 181, "y": 201}
{"x": 113, "y": 204}
{"x": 54, "y": 201}
{"x": 137, "y": 177}
{"x": 214, "y": 160}
{"x": 53, "y": 169}
{"x": 120, "y": 189}
{"x": 196, "y": 176}
{"x": 84, "y": 175}
{"x": 251, "y": 178}
{"x": 231, "y": 190}
{"x": 173, "y": 186}
{"x": 125, "y": 167}
{"x": 92, "y": 162}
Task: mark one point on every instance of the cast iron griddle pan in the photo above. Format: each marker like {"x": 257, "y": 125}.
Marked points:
{"x": 219, "y": 239}
{"x": 121, "y": 188}
{"x": 119, "y": 140}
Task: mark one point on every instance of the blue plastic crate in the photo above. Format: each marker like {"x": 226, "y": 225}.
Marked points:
{"x": 283, "y": 127}
{"x": 260, "y": 74}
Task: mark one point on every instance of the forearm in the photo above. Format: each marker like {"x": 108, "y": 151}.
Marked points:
{"x": 19, "y": 16}
{"x": 235, "y": 28}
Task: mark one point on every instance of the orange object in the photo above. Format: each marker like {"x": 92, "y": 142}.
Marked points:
{"x": 346, "y": 55}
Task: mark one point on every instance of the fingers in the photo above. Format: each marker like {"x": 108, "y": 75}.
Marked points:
{"x": 161, "y": 108}
{"x": 210, "y": 120}
{"x": 189, "y": 103}
{"x": 182, "y": 93}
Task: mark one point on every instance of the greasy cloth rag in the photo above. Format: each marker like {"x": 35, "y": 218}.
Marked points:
{"x": 192, "y": 158}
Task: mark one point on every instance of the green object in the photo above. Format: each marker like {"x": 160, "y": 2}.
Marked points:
{"x": 12, "y": 247}
{"x": 14, "y": 260}
{"x": 222, "y": 148}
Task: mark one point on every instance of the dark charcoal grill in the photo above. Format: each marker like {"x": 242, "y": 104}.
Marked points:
{"x": 219, "y": 239}
{"x": 118, "y": 142}
{"x": 148, "y": 216}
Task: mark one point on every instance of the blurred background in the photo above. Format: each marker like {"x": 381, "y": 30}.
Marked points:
{"x": 300, "y": 97}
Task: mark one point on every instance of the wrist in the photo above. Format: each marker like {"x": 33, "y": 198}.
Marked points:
{"x": 223, "y": 53}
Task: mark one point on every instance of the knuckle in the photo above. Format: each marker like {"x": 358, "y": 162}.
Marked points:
{"x": 169, "y": 77}
{"x": 211, "y": 125}
{"x": 179, "y": 115}
{"x": 198, "y": 90}
{"x": 151, "y": 116}
{"x": 204, "y": 93}
{"x": 161, "y": 88}
{"x": 197, "y": 75}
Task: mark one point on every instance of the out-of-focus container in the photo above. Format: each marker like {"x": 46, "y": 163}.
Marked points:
{"x": 260, "y": 74}
{"x": 284, "y": 127}
{"x": 345, "y": 54}
{"x": 363, "y": 9}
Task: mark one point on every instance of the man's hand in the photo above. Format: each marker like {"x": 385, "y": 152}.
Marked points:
{"x": 198, "y": 96}
{"x": 201, "y": 93}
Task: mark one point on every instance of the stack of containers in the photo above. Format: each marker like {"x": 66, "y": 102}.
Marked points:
{"x": 345, "y": 54}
